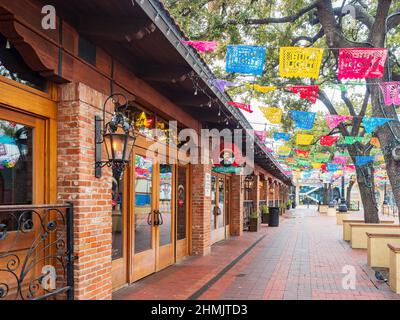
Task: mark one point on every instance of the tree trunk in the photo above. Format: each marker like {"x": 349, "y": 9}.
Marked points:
{"x": 365, "y": 178}
{"x": 388, "y": 140}
{"x": 348, "y": 194}
{"x": 325, "y": 194}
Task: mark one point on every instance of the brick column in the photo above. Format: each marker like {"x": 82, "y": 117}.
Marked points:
{"x": 91, "y": 197}
{"x": 255, "y": 193}
{"x": 236, "y": 226}
{"x": 201, "y": 211}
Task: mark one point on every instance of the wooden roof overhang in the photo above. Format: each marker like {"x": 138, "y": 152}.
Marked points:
{"x": 144, "y": 37}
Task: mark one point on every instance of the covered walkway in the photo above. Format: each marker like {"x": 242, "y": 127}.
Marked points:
{"x": 302, "y": 259}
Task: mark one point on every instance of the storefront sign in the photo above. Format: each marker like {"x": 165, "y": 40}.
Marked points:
{"x": 207, "y": 185}
{"x": 227, "y": 169}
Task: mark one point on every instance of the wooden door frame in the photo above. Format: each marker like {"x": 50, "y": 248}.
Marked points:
{"x": 188, "y": 211}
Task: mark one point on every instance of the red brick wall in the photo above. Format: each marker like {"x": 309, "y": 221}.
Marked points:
{"x": 201, "y": 211}
{"x": 91, "y": 196}
{"x": 236, "y": 226}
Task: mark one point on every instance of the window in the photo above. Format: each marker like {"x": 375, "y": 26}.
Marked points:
{"x": 87, "y": 51}
{"x": 13, "y": 67}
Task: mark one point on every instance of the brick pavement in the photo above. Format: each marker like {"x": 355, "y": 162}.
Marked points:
{"x": 300, "y": 260}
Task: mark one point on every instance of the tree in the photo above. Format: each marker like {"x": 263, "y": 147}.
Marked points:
{"x": 355, "y": 23}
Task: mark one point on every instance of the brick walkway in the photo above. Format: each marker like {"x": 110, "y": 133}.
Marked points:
{"x": 300, "y": 260}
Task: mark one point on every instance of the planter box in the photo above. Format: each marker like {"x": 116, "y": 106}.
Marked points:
{"x": 358, "y": 232}
{"x": 378, "y": 250}
{"x": 394, "y": 267}
{"x": 323, "y": 208}
{"x": 346, "y": 226}
{"x": 255, "y": 225}
{"x": 331, "y": 212}
{"x": 264, "y": 218}
{"x": 340, "y": 217}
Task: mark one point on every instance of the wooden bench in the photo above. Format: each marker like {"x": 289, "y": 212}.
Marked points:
{"x": 377, "y": 246}
{"x": 394, "y": 267}
{"x": 346, "y": 226}
{"x": 358, "y": 232}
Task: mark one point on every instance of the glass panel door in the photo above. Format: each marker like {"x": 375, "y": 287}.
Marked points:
{"x": 165, "y": 205}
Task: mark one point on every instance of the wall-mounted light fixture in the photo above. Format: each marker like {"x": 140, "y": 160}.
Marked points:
{"x": 248, "y": 182}
{"x": 118, "y": 135}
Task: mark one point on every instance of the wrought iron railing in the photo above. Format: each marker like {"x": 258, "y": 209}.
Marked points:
{"x": 36, "y": 252}
{"x": 247, "y": 210}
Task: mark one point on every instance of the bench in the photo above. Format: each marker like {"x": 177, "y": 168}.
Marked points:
{"x": 358, "y": 232}
{"x": 394, "y": 267}
{"x": 346, "y": 226}
{"x": 377, "y": 246}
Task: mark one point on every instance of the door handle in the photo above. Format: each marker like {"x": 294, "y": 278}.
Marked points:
{"x": 160, "y": 218}
{"x": 149, "y": 220}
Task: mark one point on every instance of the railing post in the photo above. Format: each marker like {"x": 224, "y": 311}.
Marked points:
{"x": 70, "y": 248}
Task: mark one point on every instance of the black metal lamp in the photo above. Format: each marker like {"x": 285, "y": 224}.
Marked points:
{"x": 118, "y": 135}
{"x": 248, "y": 182}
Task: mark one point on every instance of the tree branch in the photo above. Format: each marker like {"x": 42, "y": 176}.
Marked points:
{"x": 286, "y": 19}
{"x": 377, "y": 34}
{"x": 311, "y": 40}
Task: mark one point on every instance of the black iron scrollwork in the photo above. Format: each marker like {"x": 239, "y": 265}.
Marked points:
{"x": 24, "y": 267}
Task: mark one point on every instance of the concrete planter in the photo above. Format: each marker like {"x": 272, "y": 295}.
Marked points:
{"x": 358, "y": 232}
{"x": 323, "y": 209}
{"x": 340, "y": 217}
{"x": 331, "y": 212}
{"x": 378, "y": 250}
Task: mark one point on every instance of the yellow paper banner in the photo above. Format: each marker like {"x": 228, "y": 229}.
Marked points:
{"x": 273, "y": 115}
{"x": 316, "y": 165}
{"x": 304, "y": 139}
{"x": 297, "y": 62}
{"x": 284, "y": 150}
{"x": 262, "y": 89}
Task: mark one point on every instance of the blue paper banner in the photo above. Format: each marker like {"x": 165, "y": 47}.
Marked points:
{"x": 332, "y": 167}
{"x": 363, "y": 160}
{"x": 281, "y": 136}
{"x": 303, "y": 119}
{"x": 245, "y": 59}
{"x": 370, "y": 124}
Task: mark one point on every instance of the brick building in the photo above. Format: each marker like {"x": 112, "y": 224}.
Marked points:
{"x": 53, "y": 83}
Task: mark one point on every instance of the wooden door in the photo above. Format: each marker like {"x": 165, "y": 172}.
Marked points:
{"x": 22, "y": 175}
{"x": 218, "y": 219}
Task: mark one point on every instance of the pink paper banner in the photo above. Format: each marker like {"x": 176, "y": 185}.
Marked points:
{"x": 361, "y": 63}
{"x": 334, "y": 120}
{"x": 202, "y": 46}
{"x": 242, "y": 106}
{"x": 340, "y": 160}
{"x": 391, "y": 92}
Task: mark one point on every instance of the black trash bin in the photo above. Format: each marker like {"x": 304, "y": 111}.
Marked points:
{"x": 273, "y": 219}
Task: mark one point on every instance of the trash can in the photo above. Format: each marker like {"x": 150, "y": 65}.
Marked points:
{"x": 273, "y": 219}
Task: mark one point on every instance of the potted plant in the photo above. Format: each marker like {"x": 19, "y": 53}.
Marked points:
{"x": 254, "y": 222}
{"x": 264, "y": 213}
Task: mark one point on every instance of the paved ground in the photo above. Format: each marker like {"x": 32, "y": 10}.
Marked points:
{"x": 302, "y": 259}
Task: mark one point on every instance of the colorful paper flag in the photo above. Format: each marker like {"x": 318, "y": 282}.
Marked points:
{"x": 304, "y": 139}
{"x": 370, "y": 124}
{"x": 297, "y": 62}
{"x": 273, "y": 115}
{"x": 284, "y": 150}
{"x": 333, "y": 120}
{"x": 202, "y": 46}
{"x": 306, "y": 92}
{"x": 361, "y": 63}
{"x": 391, "y": 92}
{"x": 245, "y": 59}
{"x": 242, "y": 106}
{"x": 328, "y": 140}
{"x": 375, "y": 142}
{"x": 303, "y": 119}
{"x": 262, "y": 135}
{"x": 221, "y": 84}
{"x": 342, "y": 160}
{"x": 322, "y": 157}
{"x": 302, "y": 153}
{"x": 259, "y": 88}
{"x": 363, "y": 160}
{"x": 281, "y": 136}
{"x": 352, "y": 140}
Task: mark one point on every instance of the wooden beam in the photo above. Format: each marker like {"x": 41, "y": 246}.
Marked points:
{"x": 121, "y": 29}
{"x": 168, "y": 74}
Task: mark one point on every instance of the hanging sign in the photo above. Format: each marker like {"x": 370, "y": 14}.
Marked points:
{"x": 245, "y": 59}
{"x": 242, "y": 106}
{"x": 361, "y": 63}
{"x": 297, "y": 62}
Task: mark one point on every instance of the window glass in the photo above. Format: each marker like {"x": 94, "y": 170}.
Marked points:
{"x": 117, "y": 217}
{"x": 181, "y": 203}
